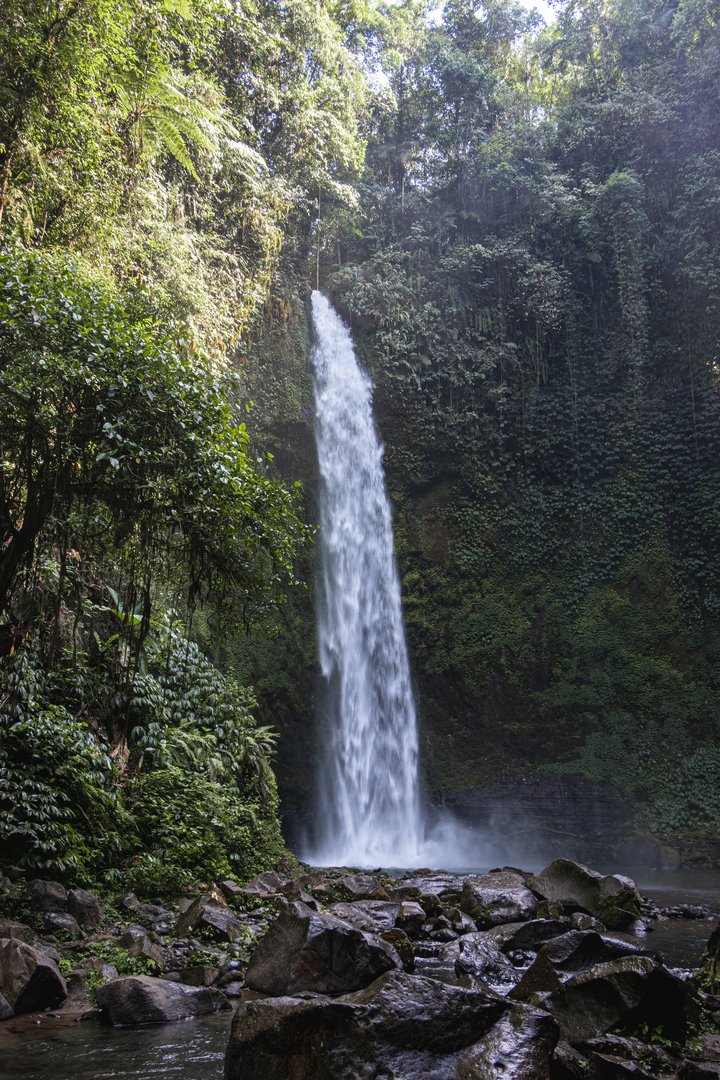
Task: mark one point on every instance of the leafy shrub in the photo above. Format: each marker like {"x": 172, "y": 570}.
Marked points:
{"x": 60, "y": 812}
{"x": 194, "y": 827}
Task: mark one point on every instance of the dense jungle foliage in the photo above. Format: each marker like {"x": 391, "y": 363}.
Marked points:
{"x": 533, "y": 279}
{"x": 537, "y": 292}
{"x": 160, "y": 168}
{"x": 522, "y": 224}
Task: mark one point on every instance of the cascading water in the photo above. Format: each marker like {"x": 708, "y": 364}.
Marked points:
{"x": 369, "y": 807}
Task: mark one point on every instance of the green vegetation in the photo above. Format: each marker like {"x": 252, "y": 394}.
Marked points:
{"x": 159, "y": 166}
{"x": 521, "y": 222}
{"x": 536, "y": 294}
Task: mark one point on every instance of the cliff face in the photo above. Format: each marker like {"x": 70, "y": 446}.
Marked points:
{"x": 536, "y": 648}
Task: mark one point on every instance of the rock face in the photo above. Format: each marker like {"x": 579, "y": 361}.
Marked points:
{"x": 307, "y": 950}
{"x": 29, "y": 980}
{"x": 401, "y": 1026}
{"x": 495, "y": 898}
{"x": 572, "y": 887}
{"x": 141, "y": 999}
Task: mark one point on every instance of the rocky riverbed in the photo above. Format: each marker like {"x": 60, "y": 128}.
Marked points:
{"x": 335, "y": 974}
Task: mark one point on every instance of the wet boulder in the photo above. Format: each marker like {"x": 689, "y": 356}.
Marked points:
{"x": 621, "y": 1055}
{"x": 401, "y": 1025}
{"x": 199, "y": 975}
{"x": 29, "y": 980}
{"x": 518, "y": 1047}
{"x": 141, "y": 999}
{"x": 403, "y": 946}
{"x": 445, "y": 887}
{"x": 309, "y": 950}
{"x": 6, "y": 1010}
{"x": 711, "y": 956}
{"x": 570, "y": 953}
{"x": 370, "y": 916}
{"x": 633, "y": 989}
{"x": 498, "y": 897}
{"x": 479, "y": 956}
{"x": 569, "y": 886}
{"x": 139, "y": 943}
{"x": 85, "y": 908}
{"x": 360, "y": 887}
{"x": 128, "y": 902}
{"x": 266, "y": 885}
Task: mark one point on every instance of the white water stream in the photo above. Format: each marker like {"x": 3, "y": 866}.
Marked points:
{"x": 369, "y": 807}
{"x": 369, "y": 812}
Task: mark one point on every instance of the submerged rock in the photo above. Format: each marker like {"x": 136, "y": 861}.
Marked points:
{"x": 141, "y": 999}
{"x": 571, "y": 887}
{"x": 29, "y": 979}
{"x": 308, "y": 950}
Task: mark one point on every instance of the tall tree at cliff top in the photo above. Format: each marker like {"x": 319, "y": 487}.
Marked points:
{"x": 536, "y": 292}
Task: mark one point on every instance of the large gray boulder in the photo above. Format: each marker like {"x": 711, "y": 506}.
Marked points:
{"x": 569, "y": 886}
{"x": 568, "y": 954}
{"x": 360, "y": 887}
{"x": 138, "y": 943}
{"x": 402, "y": 1026}
{"x": 446, "y": 887}
{"x": 29, "y": 980}
{"x": 142, "y": 999}
{"x": 634, "y": 990}
{"x": 499, "y": 897}
{"x": 379, "y": 916}
{"x": 309, "y": 950}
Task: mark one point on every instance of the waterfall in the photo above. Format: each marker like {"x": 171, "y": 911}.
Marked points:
{"x": 369, "y": 810}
